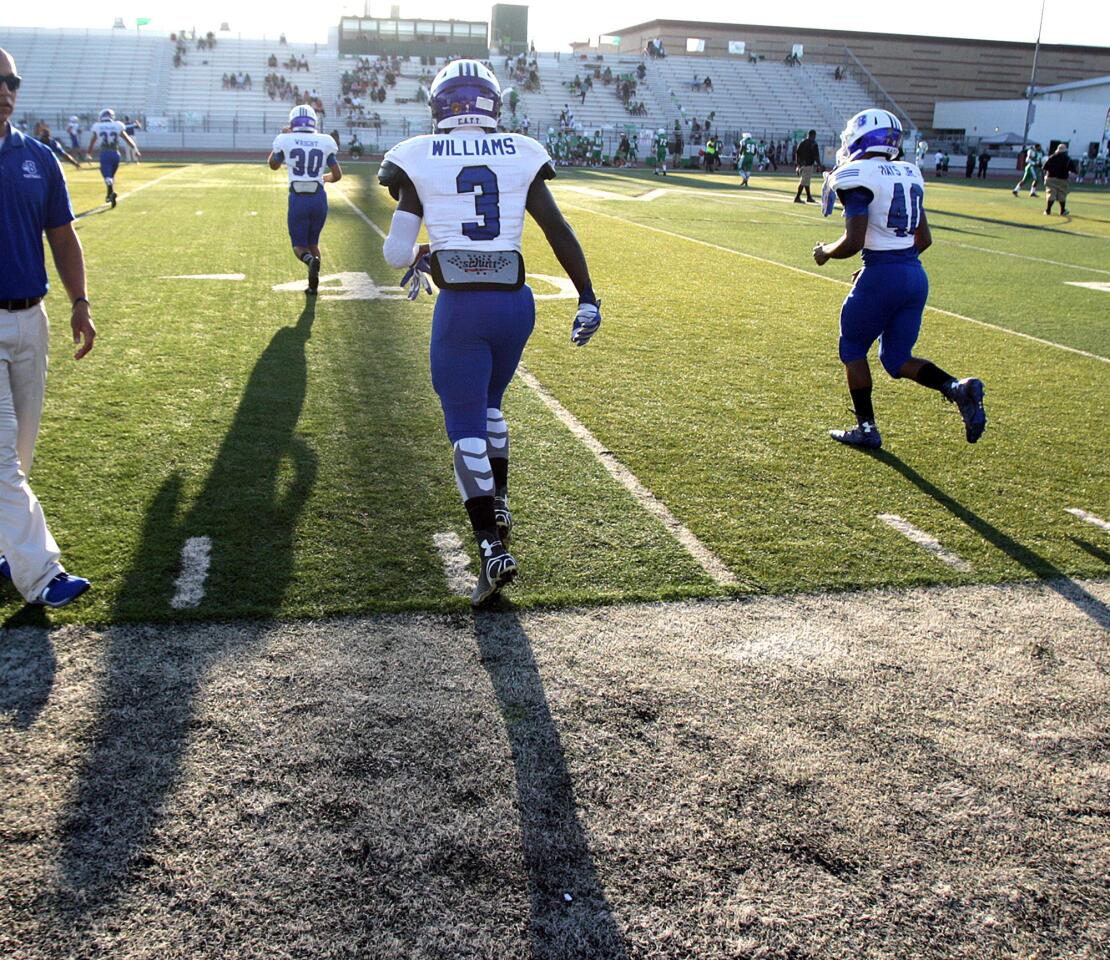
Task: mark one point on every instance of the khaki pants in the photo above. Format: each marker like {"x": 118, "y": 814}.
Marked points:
{"x": 805, "y": 174}
{"x": 24, "y": 537}
{"x": 1057, "y": 190}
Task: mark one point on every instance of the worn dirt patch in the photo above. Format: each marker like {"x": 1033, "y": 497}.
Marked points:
{"x": 884, "y": 775}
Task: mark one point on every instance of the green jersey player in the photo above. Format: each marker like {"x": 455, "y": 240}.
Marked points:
{"x": 660, "y": 152}
{"x": 746, "y": 151}
{"x": 1034, "y": 161}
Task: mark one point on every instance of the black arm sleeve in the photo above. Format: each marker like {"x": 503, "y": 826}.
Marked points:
{"x": 393, "y": 178}
{"x": 546, "y": 172}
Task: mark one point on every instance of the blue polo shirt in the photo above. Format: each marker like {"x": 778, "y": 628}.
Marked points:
{"x": 33, "y": 198}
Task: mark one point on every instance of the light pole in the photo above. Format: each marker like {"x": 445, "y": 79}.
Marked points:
{"x": 1032, "y": 85}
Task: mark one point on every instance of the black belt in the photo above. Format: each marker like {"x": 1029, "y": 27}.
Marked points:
{"x": 19, "y": 304}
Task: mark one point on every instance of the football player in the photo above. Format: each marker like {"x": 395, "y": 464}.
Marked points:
{"x": 108, "y": 133}
{"x": 884, "y": 210}
{"x": 1034, "y": 161}
{"x": 746, "y": 150}
{"x": 660, "y": 153}
{"x": 306, "y": 153}
{"x": 471, "y": 186}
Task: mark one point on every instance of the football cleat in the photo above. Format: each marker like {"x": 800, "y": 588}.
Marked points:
{"x": 112, "y": 199}
{"x": 313, "y": 275}
{"x": 5, "y": 568}
{"x": 496, "y": 568}
{"x": 503, "y": 517}
{"x": 61, "y": 590}
{"x": 865, "y": 436}
{"x": 968, "y": 396}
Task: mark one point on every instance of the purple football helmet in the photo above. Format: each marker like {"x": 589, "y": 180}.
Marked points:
{"x": 465, "y": 94}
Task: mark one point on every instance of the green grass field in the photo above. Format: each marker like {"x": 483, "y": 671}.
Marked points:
{"x": 308, "y": 445}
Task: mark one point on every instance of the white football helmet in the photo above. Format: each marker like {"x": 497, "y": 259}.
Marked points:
{"x": 73, "y": 119}
{"x": 107, "y": 114}
{"x": 302, "y": 117}
{"x": 870, "y": 131}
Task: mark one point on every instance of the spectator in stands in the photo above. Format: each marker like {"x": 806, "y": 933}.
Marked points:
{"x": 984, "y": 159}
{"x": 282, "y": 40}
{"x": 708, "y": 84}
{"x": 807, "y": 161}
{"x": 1056, "y": 171}
{"x": 525, "y": 124}
{"x": 696, "y": 85}
{"x": 641, "y": 72}
{"x": 970, "y": 169}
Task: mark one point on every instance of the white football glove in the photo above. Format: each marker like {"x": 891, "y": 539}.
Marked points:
{"x": 416, "y": 278}
{"x": 586, "y": 322}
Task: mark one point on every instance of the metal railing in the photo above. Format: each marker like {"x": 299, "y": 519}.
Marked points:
{"x": 869, "y": 80}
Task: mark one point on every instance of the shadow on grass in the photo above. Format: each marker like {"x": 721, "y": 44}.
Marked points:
{"x": 556, "y": 851}
{"x": 1042, "y": 569}
{"x": 147, "y": 697}
{"x": 27, "y": 666}
{"x": 1097, "y": 552}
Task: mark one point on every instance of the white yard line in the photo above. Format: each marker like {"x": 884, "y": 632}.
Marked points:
{"x": 456, "y": 564}
{"x": 365, "y": 219}
{"x": 1023, "y": 256}
{"x": 139, "y": 189}
{"x": 618, "y": 471}
{"x": 1089, "y": 518}
{"x": 925, "y": 541}
{"x": 828, "y": 279}
{"x": 196, "y": 556}
{"x": 1101, "y": 285}
{"x": 709, "y": 561}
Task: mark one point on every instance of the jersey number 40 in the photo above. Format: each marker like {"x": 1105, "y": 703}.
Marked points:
{"x": 901, "y": 220}
{"x": 482, "y": 182}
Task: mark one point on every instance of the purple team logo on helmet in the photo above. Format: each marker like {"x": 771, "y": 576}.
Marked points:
{"x": 870, "y": 131}
{"x": 465, "y": 93}
{"x": 302, "y": 117}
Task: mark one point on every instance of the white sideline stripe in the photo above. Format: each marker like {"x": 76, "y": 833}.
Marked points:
{"x": 827, "y": 279}
{"x": 1023, "y": 256}
{"x": 1089, "y": 518}
{"x": 456, "y": 564}
{"x": 365, "y": 219}
{"x": 196, "y": 556}
{"x": 618, "y": 471}
{"x": 925, "y": 541}
{"x": 627, "y": 479}
{"x": 139, "y": 188}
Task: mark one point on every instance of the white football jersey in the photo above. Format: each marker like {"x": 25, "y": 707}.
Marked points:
{"x": 107, "y": 134}
{"x": 473, "y": 185}
{"x": 898, "y": 199}
{"x": 307, "y": 154}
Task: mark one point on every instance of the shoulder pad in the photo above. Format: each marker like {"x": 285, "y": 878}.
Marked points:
{"x": 393, "y": 178}
{"x": 546, "y": 172}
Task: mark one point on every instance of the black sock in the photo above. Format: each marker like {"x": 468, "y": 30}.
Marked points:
{"x": 934, "y": 378}
{"x": 500, "y": 466}
{"x": 482, "y": 519}
{"x": 861, "y": 400}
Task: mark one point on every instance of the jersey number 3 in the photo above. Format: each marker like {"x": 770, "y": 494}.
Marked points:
{"x": 482, "y": 182}
{"x": 902, "y": 221}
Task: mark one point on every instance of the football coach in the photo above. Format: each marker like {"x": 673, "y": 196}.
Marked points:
{"x": 33, "y": 199}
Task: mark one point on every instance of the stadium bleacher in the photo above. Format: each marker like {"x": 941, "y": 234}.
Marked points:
{"x": 188, "y": 106}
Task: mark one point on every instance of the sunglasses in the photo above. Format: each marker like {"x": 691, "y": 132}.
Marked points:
{"x": 13, "y": 80}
